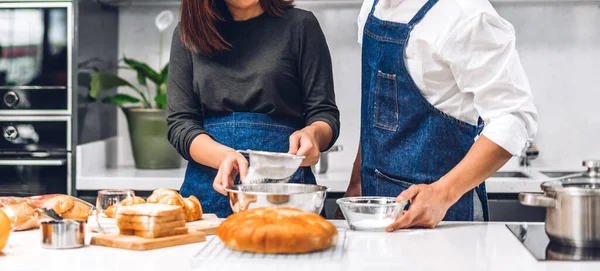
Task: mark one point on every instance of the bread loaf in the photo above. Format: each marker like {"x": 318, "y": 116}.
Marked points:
{"x": 192, "y": 209}
{"x": 125, "y": 225}
{"x": 156, "y": 234}
{"x": 59, "y": 203}
{"x": 21, "y": 215}
{"x": 149, "y": 219}
{"x": 150, "y": 210}
{"x": 191, "y": 206}
{"x": 80, "y": 211}
{"x": 159, "y": 194}
{"x": 277, "y": 230}
{"x": 110, "y": 211}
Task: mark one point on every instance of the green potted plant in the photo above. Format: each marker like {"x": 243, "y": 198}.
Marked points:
{"x": 145, "y": 112}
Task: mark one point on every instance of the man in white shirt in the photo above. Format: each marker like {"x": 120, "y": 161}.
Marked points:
{"x": 434, "y": 72}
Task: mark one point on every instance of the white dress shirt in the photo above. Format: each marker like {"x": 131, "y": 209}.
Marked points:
{"x": 462, "y": 57}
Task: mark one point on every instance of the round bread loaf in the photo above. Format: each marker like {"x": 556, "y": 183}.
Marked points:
{"x": 277, "y": 230}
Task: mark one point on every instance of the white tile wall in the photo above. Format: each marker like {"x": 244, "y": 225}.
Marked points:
{"x": 559, "y": 44}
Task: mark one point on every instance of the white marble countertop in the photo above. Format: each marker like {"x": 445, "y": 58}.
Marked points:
{"x": 451, "y": 246}
{"x": 337, "y": 180}
{"x": 99, "y": 171}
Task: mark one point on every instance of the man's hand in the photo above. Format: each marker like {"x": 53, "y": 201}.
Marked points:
{"x": 428, "y": 206}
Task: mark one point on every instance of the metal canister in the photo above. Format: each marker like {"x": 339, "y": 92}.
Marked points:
{"x": 62, "y": 234}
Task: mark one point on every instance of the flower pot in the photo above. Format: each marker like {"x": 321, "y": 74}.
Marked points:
{"x": 148, "y": 133}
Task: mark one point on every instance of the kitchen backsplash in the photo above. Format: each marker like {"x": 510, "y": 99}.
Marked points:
{"x": 558, "y": 42}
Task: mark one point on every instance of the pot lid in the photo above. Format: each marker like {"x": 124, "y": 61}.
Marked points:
{"x": 588, "y": 181}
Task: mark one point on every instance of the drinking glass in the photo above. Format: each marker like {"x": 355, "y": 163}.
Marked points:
{"x": 106, "y": 199}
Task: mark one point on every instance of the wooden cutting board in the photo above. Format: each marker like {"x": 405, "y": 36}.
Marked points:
{"x": 208, "y": 224}
{"x": 141, "y": 244}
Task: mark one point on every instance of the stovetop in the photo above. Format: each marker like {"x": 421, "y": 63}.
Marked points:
{"x": 534, "y": 238}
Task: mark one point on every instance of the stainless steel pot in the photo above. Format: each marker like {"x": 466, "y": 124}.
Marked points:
{"x": 62, "y": 234}
{"x": 572, "y": 207}
{"x": 308, "y": 198}
{"x": 323, "y": 164}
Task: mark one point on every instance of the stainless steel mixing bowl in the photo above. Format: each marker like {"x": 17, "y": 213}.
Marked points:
{"x": 306, "y": 197}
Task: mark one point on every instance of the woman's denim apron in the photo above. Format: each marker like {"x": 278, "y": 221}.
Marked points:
{"x": 240, "y": 131}
{"x": 406, "y": 140}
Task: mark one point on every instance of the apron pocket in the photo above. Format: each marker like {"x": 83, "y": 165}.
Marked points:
{"x": 386, "y": 102}
{"x": 388, "y": 186}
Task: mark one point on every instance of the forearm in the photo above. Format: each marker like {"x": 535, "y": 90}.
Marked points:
{"x": 483, "y": 159}
{"x": 322, "y": 133}
{"x": 205, "y": 151}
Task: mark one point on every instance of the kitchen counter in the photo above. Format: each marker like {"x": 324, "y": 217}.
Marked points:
{"x": 128, "y": 177}
{"x": 100, "y": 171}
{"x": 451, "y": 246}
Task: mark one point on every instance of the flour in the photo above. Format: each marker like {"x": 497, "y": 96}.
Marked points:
{"x": 368, "y": 224}
{"x": 268, "y": 174}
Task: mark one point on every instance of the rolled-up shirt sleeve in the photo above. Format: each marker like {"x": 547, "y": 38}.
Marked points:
{"x": 184, "y": 110}
{"x": 316, "y": 73}
{"x": 485, "y": 63}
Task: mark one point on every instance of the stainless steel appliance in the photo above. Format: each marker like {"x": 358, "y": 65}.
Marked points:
{"x": 35, "y": 155}
{"x": 535, "y": 240}
{"x": 35, "y": 58}
{"x": 35, "y": 97}
{"x": 572, "y": 207}
{"x": 323, "y": 165}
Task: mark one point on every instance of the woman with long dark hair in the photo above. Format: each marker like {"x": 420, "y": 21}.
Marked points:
{"x": 247, "y": 74}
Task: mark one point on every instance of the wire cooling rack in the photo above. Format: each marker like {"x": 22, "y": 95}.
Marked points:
{"x": 216, "y": 255}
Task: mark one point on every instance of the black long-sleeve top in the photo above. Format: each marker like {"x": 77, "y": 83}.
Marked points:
{"x": 279, "y": 66}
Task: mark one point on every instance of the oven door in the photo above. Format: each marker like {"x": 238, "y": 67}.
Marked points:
{"x": 28, "y": 175}
{"x": 29, "y": 134}
{"x": 35, "y": 58}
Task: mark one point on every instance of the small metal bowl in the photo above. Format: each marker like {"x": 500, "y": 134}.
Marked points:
{"x": 306, "y": 197}
{"x": 370, "y": 213}
{"x": 62, "y": 234}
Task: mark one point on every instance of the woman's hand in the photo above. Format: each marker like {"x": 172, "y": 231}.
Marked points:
{"x": 304, "y": 143}
{"x": 428, "y": 206}
{"x": 310, "y": 141}
{"x": 233, "y": 164}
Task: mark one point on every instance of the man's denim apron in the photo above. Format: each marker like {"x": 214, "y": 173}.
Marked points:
{"x": 240, "y": 131}
{"x": 405, "y": 140}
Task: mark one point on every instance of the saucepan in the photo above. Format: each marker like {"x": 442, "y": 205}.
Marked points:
{"x": 572, "y": 207}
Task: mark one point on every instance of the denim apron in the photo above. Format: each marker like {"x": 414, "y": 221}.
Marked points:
{"x": 406, "y": 140}
{"x": 240, "y": 131}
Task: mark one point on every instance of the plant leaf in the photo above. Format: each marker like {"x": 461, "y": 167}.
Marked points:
{"x": 103, "y": 81}
{"x": 141, "y": 79}
{"x": 120, "y": 99}
{"x": 144, "y": 69}
{"x": 165, "y": 73}
{"x": 162, "y": 89}
{"x": 161, "y": 100}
